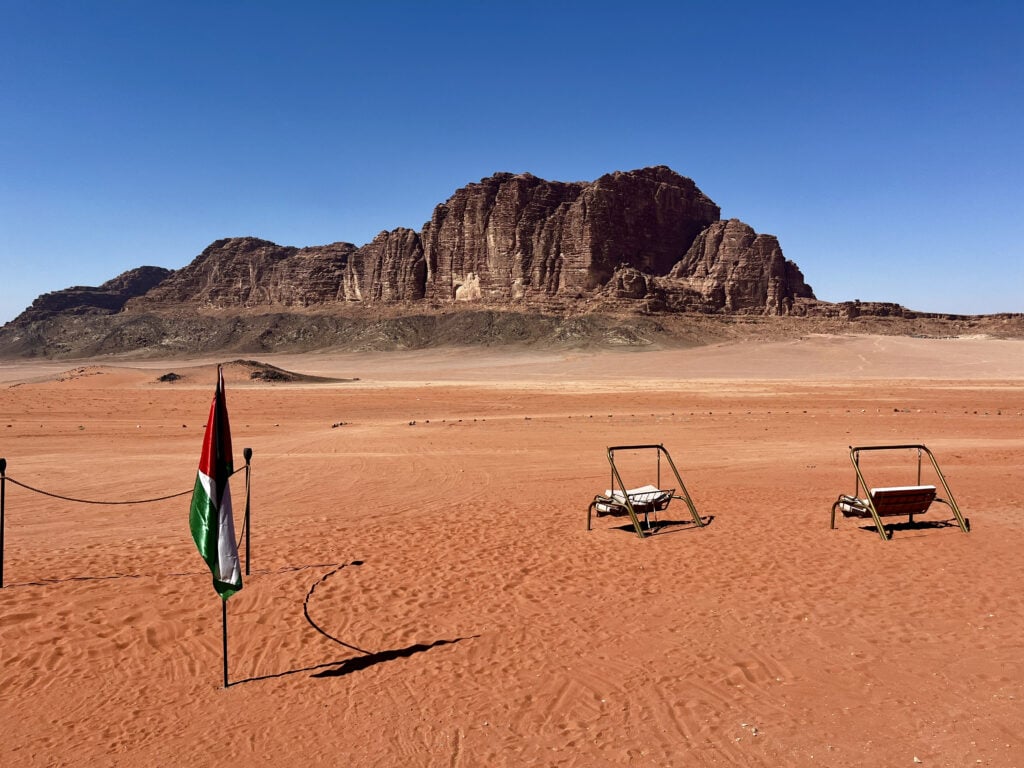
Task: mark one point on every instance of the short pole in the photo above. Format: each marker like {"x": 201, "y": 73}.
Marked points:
{"x": 247, "y": 452}
{"x": 3, "y": 490}
{"x": 224, "y": 628}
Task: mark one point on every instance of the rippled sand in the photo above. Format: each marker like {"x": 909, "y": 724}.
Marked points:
{"x": 424, "y": 592}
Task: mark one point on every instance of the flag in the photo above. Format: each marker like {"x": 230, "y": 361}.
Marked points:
{"x": 213, "y": 527}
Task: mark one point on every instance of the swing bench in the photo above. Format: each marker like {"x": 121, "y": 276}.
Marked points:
{"x": 646, "y": 500}
{"x": 895, "y": 501}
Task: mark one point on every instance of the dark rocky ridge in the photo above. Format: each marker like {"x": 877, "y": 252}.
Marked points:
{"x": 104, "y": 299}
{"x": 513, "y": 258}
{"x": 507, "y": 239}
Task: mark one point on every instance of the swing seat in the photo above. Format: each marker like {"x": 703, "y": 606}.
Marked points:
{"x": 645, "y": 499}
{"x": 895, "y": 501}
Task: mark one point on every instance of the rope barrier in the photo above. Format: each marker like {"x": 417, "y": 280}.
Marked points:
{"x": 5, "y": 478}
{"x": 317, "y": 627}
{"x": 94, "y": 501}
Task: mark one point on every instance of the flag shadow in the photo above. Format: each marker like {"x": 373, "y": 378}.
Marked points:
{"x": 362, "y": 662}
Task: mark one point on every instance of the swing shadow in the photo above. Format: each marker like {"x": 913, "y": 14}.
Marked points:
{"x": 348, "y": 666}
{"x": 917, "y": 525}
{"x": 658, "y": 527}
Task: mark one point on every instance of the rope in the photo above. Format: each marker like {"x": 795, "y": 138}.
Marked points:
{"x": 317, "y": 627}
{"x": 10, "y": 479}
{"x": 241, "y": 533}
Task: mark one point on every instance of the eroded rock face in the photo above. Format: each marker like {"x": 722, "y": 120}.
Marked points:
{"x": 637, "y": 241}
{"x": 734, "y": 269}
{"x": 509, "y": 238}
{"x": 513, "y": 237}
{"x": 498, "y": 240}
{"x": 391, "y": 268}
{"x": 249, "y": 272}
{"x": 104, "y": 299}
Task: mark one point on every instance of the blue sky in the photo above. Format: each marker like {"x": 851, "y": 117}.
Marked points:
{"x": 881, "y": 142}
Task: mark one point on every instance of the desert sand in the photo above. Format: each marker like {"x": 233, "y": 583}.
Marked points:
{"x": 424, "y": 592}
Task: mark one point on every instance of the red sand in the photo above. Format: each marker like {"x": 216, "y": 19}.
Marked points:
{"x": 485, "y": 625}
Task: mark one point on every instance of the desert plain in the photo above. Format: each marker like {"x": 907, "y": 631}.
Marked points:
{"x": 423, "y": 590}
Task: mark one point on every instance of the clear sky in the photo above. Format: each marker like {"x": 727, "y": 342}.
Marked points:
{"x": 882, "y": 142}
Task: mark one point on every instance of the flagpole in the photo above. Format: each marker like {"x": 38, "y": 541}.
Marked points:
{"x": 3, "y": 489}
{"x": 224, "y": 627}
{"x": 247, "y": 452}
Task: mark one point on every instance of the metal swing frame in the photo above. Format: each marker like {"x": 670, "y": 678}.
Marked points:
{"x": 639, "y": 503}
{"x": 885, "y": 502}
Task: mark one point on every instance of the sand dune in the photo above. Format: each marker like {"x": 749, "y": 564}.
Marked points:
{"x": 424, "y": 592}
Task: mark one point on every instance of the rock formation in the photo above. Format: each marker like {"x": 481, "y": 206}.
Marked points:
{"x": 104, "y": 299}
{"x": 513, "y": 237}
{"x": 643, "y": 241}
{"x": 517, "y": 239}
{"x": 735, "y": 269}
{"x": 249, "y": 272}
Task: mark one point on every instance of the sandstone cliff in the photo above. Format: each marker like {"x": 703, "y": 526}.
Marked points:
{"x": 636, "y": 242}
{"x": 517, "y": 239}
{"x": 510, "y": 237}
{"x": 104, "y": 299}
{"x": 249, "y": 272}
{"x": 734, "y": 269}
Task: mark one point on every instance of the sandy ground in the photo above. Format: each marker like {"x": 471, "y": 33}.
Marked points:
{"x": 424, "y": 592}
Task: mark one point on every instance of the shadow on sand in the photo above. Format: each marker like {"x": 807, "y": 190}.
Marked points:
{"x": 362, "y": 662}
{"x": 917, "y": 525}
{"x": 665, "y": 527}
{"x": 347, "y": 666}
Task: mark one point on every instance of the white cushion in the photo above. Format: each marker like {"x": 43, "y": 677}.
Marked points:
{"x": 645, "y": 494}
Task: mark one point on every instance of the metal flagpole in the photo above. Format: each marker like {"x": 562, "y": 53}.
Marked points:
{"x": 247, "y": 452}
{"x": 3, "y": 489}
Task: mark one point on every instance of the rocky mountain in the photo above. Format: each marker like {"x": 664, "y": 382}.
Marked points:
{"x": 509, "y": 239}
{"x": 104, "y": 299}
{"x": 631, "y": 243}
{"x": 735, "y": 269}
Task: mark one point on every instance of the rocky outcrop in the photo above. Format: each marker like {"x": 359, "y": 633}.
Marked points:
{"x": 498, "y": 240}
{"x": 648, "y": 236}
{"x": 104, "y": 299}
{"x": 734, "y": 269}
{"x": 643, "y": 241}
{"x": 391, "y": 268}
{"x": 248, "y": 272}
{"x": 513, "y": 237}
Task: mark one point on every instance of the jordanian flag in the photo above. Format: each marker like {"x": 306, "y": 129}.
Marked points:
{"x": 213, "y": 527}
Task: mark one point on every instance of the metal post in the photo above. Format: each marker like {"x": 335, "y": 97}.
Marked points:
{"x": 247, "y": 453}
{"x": 3, "y": 489}
{"x": 862, "y": 483}
{"x": 224, "y": 626}
{"x": 856, "y": 469}
{"x": 682, "y": 487}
